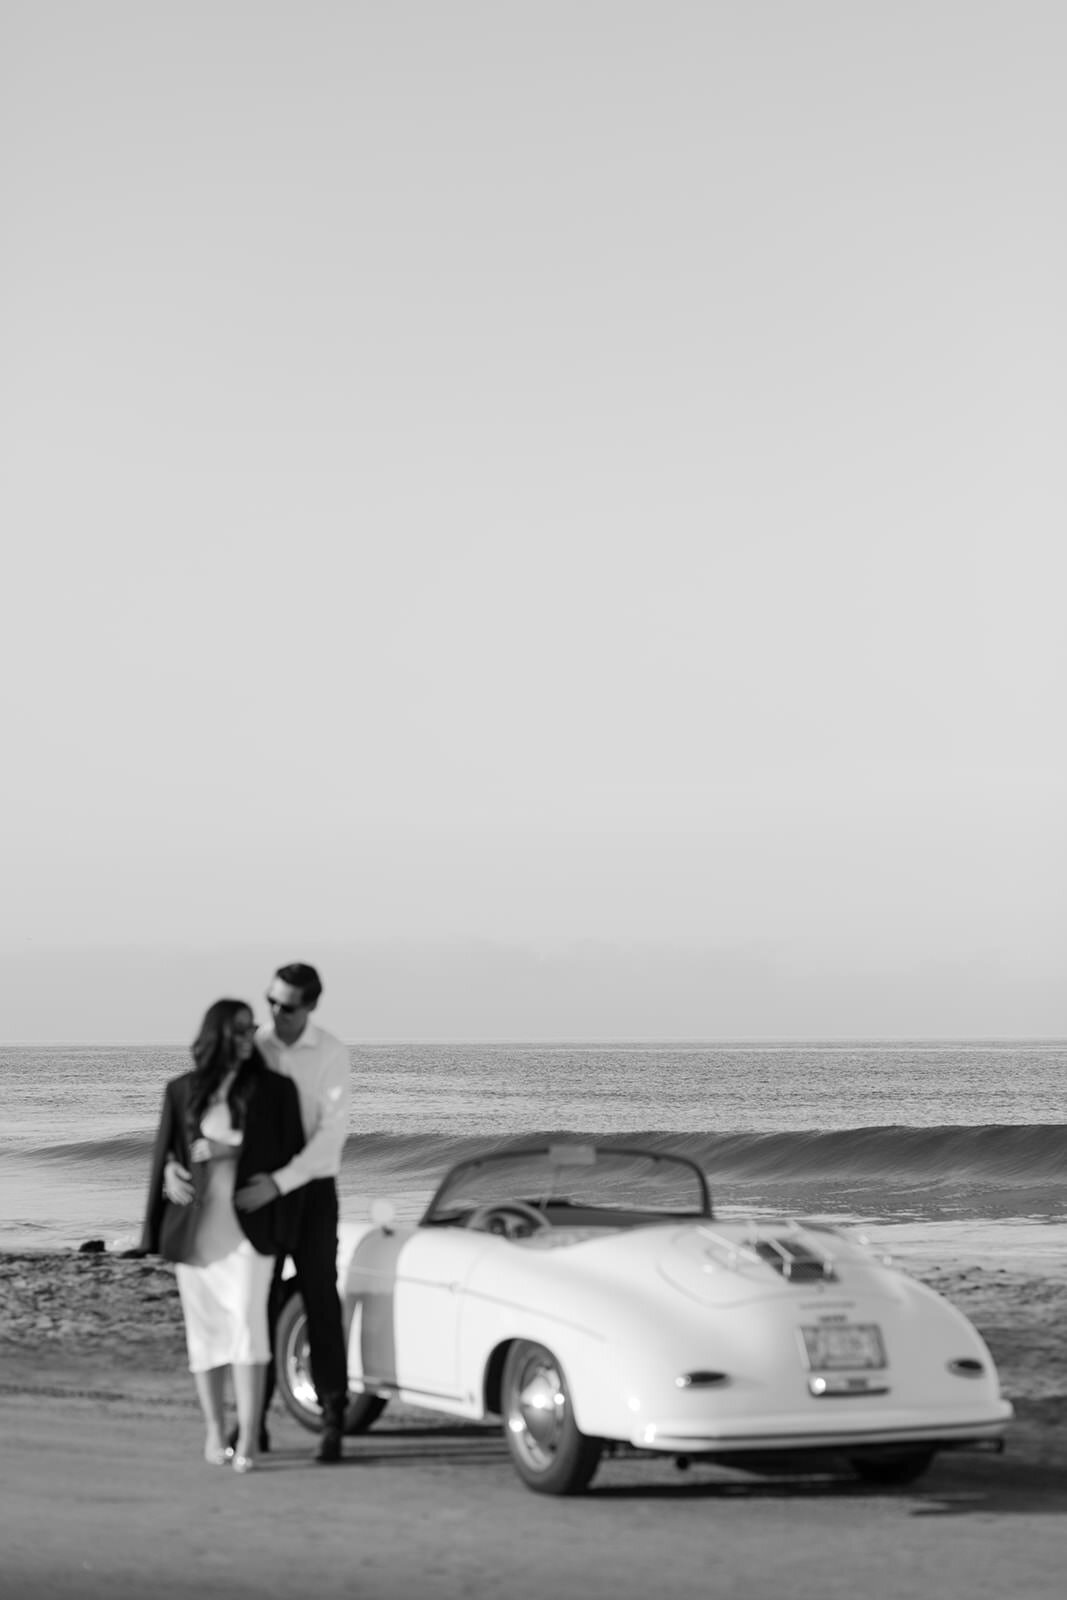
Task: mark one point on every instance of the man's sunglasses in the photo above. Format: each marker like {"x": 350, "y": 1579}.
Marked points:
{"x": 278, "y": 1005}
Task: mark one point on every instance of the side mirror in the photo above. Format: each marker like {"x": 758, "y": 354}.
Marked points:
{"x": 383, "y": 1214}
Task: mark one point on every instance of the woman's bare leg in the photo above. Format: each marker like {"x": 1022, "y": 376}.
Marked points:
{"x": 248, "y": 1381}
{"x": 210, "y": 1393}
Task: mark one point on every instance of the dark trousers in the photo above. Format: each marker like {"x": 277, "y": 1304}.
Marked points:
{"x": 315, "y": 1260}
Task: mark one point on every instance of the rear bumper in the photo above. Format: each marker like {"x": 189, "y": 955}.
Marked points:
{"x": 835, "y": 1432}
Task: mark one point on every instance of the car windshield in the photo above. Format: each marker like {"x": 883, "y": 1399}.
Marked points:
{"x": 562, "y": 1179}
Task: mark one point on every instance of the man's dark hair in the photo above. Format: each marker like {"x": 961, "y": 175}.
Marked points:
{"x": 304, "y": 978}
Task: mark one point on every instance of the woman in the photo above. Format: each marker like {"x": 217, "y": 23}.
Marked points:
{"x": 228, "y": 1118}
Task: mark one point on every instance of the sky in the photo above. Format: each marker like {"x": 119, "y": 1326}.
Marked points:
{"x": 552, "y": 511}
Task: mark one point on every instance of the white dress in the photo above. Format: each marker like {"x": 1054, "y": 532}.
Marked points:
{"x": 224, "y": 1288}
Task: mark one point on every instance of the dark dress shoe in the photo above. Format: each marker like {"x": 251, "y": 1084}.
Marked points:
{"x": 329, "y": 1446}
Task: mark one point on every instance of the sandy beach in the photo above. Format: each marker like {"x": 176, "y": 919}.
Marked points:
{"x": 106, "y": 1495}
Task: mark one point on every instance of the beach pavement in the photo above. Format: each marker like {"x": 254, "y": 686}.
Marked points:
{"x": 105, "y": 1494}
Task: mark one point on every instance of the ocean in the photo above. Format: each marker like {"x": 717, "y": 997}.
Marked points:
{"x": 935, "y": 1148}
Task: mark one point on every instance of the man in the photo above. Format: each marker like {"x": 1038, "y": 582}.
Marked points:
{"x": 318, "y": 1064}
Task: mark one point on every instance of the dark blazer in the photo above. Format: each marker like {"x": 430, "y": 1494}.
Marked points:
{"x": 273, "y": 1134}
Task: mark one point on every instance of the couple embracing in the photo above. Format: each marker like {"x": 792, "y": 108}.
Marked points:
{"x": 244, "y": 1174}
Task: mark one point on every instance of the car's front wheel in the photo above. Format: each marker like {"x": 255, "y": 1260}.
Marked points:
{"x": 547, "y": 1449}
{"x": 292, "y": 1366}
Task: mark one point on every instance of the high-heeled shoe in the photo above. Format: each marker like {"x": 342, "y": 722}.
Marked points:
{"x": 263, "y": 1447}
{"x": 218, "y": 1455}
{"x": 243, "y": 1463}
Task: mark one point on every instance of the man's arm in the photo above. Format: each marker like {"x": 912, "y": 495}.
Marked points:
{"x": 321, "y": 1155}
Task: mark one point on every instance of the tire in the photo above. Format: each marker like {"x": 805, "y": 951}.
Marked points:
{"x": 896, "y": 1467}
{"x": 547, "y": 1450}
{"x": 292, "y": 1368}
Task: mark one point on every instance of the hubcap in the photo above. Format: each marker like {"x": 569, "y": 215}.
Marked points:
{"x": 537, "y": 1411}
{"x": 298, "y": 1370}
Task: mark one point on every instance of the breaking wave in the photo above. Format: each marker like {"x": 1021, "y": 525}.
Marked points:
{"x": 1006, "y": 1155}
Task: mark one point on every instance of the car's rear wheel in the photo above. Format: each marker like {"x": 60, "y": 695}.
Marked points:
{"x": 892, "y": 1467}
{"x": 292, "y": 1365}
{"x": 547, "y": 1449}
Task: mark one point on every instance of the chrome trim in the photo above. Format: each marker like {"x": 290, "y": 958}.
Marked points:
{"x": 780, "y": 1245}
{"x": 833, "y": 1386}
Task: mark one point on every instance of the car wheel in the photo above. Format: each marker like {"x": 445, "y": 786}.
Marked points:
{"x": 292, "y": 1365}
{"x": 901, "y": 1466}
{"x": 547, "y": 1450}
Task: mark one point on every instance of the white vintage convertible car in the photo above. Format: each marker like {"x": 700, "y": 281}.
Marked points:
{"x": 588, "y": 1296}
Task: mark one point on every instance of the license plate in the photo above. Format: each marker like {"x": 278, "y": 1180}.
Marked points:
{"x": 844, "y": 1347}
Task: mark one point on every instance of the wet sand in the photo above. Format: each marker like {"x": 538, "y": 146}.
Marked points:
{"x": 105, "y": 1493}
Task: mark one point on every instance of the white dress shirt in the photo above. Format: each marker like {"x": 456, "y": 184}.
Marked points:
{"x": 318, "y": 1065}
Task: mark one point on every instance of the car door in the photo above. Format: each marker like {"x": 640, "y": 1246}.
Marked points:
{"x": 401, "y": 1306}
{"x": 431, "y": 1273}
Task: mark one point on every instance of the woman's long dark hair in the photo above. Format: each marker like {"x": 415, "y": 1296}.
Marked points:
{"x": 214, "y": 1057}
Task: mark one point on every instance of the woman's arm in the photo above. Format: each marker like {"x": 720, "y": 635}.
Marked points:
{"x": 292, "y": 1126}
{"x": 286, "y": 1140}
{"x": 288, "y": 1207}
{"x": 156, "y": 1198}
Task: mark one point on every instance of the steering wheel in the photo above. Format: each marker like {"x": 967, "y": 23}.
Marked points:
{"x": 500, "y": 1216}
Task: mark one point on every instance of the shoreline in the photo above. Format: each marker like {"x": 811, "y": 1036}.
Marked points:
{"x": 1031, "y": 1239}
